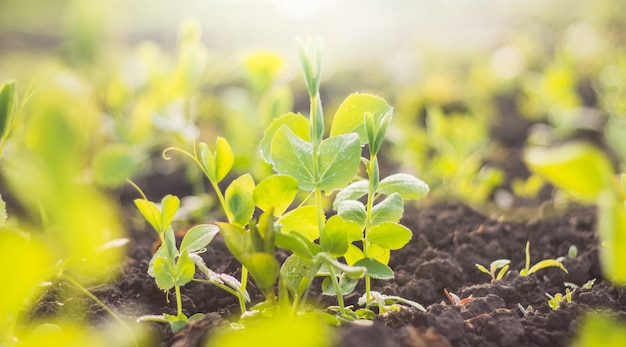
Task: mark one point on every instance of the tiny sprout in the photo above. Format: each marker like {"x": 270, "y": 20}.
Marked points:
{"x": 525, "y": 311}
{"x": 455, "y": 300}
{"x": 558, "y": 298}
{"x": 527, "y": 270}
{"x": 502, "y": 264}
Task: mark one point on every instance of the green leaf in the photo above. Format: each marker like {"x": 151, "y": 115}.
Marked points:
{"x": 354, "y": 231}
{"x": 198, "y": 237}
{"x": 161, "y": 252}
{"x": 354, "y": 211}
{"x": 546, "y": 263}
{"x": 346, "y": 285}
{"x": 294, "y": 244}
{"x": 303, "y": 220}
{"x": 169, "y": 207}
{"x": 389, "y": 235}
{"x": 612, "y": 236}
{"x": 298, "y": 124}
{"x": 408, "y": 186}
{"x": 353, "y": 255}
{"x": 217, "y": 164}
{"x": 388, "y": 210}
{"x": 350, "y": 114}
{"x": 207, "y": 158}
{"x": 185, "y": 268}
{"x": 114, "y": 165}
{"x": 224, "y": 159}
{"x": 264, "y": 269}
{"x": 170, "y": 245}
{"x": 7, "y": 99}
{"x": 375, "y": 269}
{"x": 377, "y": 252}
{"x": 353, "y": 191}
{"x": 276, "y": 192}
{"x": 163, "y": 273}
{"x": 339, "y": 159}
{"x": 334, "y": 239}
{"x": 150, "y": 212}
{"x": 236, "y": 238}
{"x": 3, "y": 212}
{"x": 578, "y": 169}
{"x": 293, "y": 156}
{"x": 298, "y": 273}
{"x": 239, "y": 200}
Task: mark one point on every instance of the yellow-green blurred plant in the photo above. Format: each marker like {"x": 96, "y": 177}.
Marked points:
{"x": 68, "y": 231}
{"x": 450, "y": 153}
{"x": 281, "y": 331}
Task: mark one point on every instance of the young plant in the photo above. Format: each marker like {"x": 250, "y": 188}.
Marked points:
{"x": 586, "y": 173}
{"x": 174, "y": 267}
{"x": 455, "y": 300}
{"x": 556, "y": 299}
{"x": 546, "y": 263}
{"x": 502, "y": 264}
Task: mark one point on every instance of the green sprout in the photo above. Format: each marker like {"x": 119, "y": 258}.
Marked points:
{"x": 546, "y": 263}
{"x": 556, "y": 299}
{"x": 174, "y": 267}
{"x": 502, "y": 264}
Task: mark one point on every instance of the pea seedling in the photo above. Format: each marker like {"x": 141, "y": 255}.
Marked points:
{"x": 174, "y": 267}
{"x": 502, "y": 264}
{"x": 546, "y": 263}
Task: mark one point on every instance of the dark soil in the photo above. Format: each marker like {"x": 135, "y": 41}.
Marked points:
{"x": 448, "y": 241}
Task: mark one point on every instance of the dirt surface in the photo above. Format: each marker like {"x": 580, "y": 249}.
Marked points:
{"x": 448, "y": 240}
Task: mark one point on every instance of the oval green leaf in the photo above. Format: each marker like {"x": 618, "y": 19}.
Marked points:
{"x": 163, "y": 274}
{"x": 7, "y": 99}
{"x": 239, "y": 200}
{"x": 303, "y": 220}
{"x": 408, "y": 186}
{"x": 339, "y": 160}
{"x": 224, "y": 159}
{"x": 350, "y": 114}
{"x": 277, "y": 191}
{"x": 354, "y": 211}
{"x": 353, "y": 191}
{"x": 198, "y": 237}
{"x": 388, "y": 210}
{"x": 375, "y": 269}
{"x": 298, "y": 124}
{"x": 390, "y": 235}
{"x": 150, "y": 212}
{"x": 334, "y": 239}
{"x": 185, "y": 268}
{"x": 293, "y": 156}
{"x": 169, "y": 207}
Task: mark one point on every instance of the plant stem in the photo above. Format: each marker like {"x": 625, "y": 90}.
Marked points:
{"x": 370, "y": 205}
{"x": 244, "y": 278}
{"x": 90, "y": 295}
{"x": 333, "y": 278}
{"x": 179, "y": 301}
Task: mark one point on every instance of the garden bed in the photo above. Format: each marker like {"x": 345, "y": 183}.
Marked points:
{"x": 448, "y": 240}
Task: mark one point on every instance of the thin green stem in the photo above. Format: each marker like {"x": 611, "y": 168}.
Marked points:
{"x": 179, "y": 301}
{"x": 244, "y": 278}
{"x": 370, "y": 205}
{"x": 333, "y": 278}
{"x": 90, "y": 295}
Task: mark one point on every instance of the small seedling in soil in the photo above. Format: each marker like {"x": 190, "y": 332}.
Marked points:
{"x": 174, "y": 267}
{"x": 525, "y": 310}
{"x": 502, "y": 264}
{"x": 546, "y": 263}
{"x": 455, "y": 300}
{"x": 558, "y": 298}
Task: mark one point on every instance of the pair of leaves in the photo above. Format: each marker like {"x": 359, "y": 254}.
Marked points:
{"x": 407, "y": 186}
{"x": 219, "y": 163}
{"x": 175, "y": 267}
{"x": 336, "y": 163}
{"x": 160, "y": 217}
